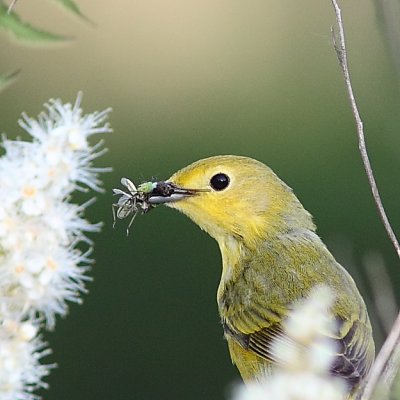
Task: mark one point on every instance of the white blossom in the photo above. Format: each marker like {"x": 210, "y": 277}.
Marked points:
{"x": 41, "y": 267}
{"x": 20, "y": 354}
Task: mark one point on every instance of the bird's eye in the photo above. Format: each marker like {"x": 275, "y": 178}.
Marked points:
{"x": 219, "y": 182}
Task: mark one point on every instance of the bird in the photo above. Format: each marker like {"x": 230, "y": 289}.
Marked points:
{"x": 271, "y": 258}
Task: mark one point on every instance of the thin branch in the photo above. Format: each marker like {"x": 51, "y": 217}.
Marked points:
{"x": 387, "y": 362}
{"x": 11, "y": 6}
{"x": 341, "y": 52}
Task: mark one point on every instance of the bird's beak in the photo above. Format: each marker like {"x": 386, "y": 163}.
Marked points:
{"x": 168, "y": 192}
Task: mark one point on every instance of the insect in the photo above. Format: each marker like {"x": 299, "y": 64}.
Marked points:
{"x": 133, "y": 201}
{"x": 145, "y": 197}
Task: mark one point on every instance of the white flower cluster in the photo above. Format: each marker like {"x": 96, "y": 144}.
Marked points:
{"x": 41, "y": 267}
{"x": 304, "y": 359}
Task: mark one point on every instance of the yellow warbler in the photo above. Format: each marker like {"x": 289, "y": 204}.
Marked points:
{"x": 271, "y": 258}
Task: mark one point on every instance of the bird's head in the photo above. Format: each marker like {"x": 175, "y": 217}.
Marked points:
{"x": 233, "y": 197}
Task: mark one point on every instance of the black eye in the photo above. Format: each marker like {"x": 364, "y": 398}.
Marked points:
{"x": 219, "y": 181}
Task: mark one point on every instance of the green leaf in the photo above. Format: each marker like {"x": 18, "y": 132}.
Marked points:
{"x": 23, "y": 31}
{"x": 7, "y": 80}
{"x": 70, "y": 5}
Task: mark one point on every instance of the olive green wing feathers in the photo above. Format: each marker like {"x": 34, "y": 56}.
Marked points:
{"x": 354, "y": 349}
{"x": 355, "y": 352}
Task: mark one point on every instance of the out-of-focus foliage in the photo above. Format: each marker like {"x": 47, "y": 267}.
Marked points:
{"x": 23, "y": 31}
{"x": 7, "y": 79}
{"x": 73, "y": 8}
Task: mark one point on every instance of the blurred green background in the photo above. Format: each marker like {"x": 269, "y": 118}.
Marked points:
{"x": 189, "y": 79}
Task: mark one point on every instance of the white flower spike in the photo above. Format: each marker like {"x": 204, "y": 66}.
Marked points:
{"x": 40, "y": 266}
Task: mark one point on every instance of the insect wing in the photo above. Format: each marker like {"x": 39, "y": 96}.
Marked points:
{"x": 124, "y": 199}
{"x": 126, "y": 207}
{"x": 123, "y": 212}
{"x": 129, "y": 185}
{"x": 121, "y": 192}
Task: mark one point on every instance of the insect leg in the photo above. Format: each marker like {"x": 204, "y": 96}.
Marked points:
{"x": 130, "y": 223}
{"x": 113, "y": 213}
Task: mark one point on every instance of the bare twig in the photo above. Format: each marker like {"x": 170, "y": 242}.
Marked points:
{"x": 388, "y": 360}
{"x": 341, "y": 52}
{"x": 386, "y": 364}
{"x": 11, "y": 6}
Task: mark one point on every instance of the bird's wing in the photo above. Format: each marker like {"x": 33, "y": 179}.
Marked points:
{"x": 355, "y": 352}
{"x": 353, "y": 356}
{"x": 256, "y": 329}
